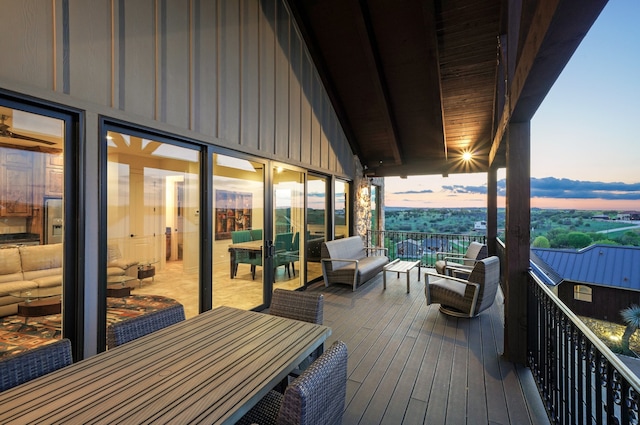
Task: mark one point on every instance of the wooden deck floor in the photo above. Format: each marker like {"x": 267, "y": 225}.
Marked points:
{"x": 410, "y": 364}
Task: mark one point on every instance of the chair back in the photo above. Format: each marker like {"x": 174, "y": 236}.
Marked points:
{"x": 238, "y": 236}
{"x": 284, "y": 241}
{"x": 486, "y": 274}
{"x": 317, "y": 397}
{"x": 475, "y": 251}
{"x": 31, "y": 364}
{"x": 127, "y": 330}
{"x": 297, "y": 305}
{"x": 256, "y": 234}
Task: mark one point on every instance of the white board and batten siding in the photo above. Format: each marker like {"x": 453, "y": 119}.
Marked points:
{"x": 235, "y": 73}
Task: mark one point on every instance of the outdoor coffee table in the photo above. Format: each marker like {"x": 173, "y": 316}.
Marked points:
{"x": 399, "y": 266}
{"x": 38, "y": 302}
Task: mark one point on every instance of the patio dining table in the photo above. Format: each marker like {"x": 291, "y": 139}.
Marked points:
{"x": 211, "y": 368}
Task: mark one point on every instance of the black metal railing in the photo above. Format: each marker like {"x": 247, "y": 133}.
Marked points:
{"x": 420, "y": 246}
{"x": 579, "y": 379}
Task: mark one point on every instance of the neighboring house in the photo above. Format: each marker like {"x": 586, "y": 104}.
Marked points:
{"x": 411, "y": 248}
{"x": 597, "y": 281}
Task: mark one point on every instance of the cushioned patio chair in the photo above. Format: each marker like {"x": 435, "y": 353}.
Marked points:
{"x": 465, "y": 298}
{"x": 31, "y": 364}
{"x": 245, "y": 257}
{"x": 316, "y": 397}
{"x": 127, "y": 330}
{"x": 446, "y": 261}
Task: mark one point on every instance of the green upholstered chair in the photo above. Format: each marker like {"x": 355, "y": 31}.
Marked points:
{"x": 245, "y": 257}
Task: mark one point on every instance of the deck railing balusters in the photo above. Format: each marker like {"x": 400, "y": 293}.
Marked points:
{"x": 579, "y": 379}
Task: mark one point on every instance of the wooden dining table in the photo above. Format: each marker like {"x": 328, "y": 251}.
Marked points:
{"x": 211, "y": 369}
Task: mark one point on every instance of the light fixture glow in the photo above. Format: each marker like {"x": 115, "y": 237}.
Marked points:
{"x": 466, "y": 156}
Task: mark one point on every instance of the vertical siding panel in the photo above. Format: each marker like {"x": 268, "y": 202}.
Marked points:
{"x": 205, "y": 72}
{"x": 316, "y": 121}
{"x": 295, "y": 81}
{"x": 282, "y": 81}
{"x": 334, "y": 142}
{"x": 324, "y": 140}
{"x": 229, "y": 71}
{"x": 267, "y": 75}
{"x": 26, "y": 42}
{"x": 90, "y": 43}
{"x": 305, "y": 110}
{"x": 250, "y": 87}
{"x": 174, "y": 62}
{"x": 137, "y": 57}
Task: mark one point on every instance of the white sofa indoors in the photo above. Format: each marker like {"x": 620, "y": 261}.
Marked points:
{"x": 23, "y": 268}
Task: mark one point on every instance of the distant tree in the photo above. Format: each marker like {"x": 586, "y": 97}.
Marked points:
{"x": 541, "y": 242}
{"x": 631, "y": 316}
{"x": 606, "y": 242}
{"x": 578, "y": 240}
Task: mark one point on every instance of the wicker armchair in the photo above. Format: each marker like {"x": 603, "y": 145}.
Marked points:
{"x": 316, "y": 397}
{"x": 31, "y": 364}
{"x": 465, "y": 298}
{"x": 127, "y": 330}
{"x": 449, "y": 262}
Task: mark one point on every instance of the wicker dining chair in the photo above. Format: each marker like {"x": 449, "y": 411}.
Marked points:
{"x": 317, "y": 397}
{"x": 127, "y": 330}
{"x": 31, "y": 364}
{"x": 303, "y": 306}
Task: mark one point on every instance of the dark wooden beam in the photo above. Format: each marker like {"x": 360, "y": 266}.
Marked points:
{"x": 518, "y": 219}
{"x": 539, "y": 27}
{"x": 375, "y": 63}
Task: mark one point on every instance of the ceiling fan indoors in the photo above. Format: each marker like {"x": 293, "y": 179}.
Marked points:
{"x": 6, "y": 132}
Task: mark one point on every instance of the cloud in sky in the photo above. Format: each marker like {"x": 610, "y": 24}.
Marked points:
{"x": 554, "y": 188}
{"x": 413, "y": 192}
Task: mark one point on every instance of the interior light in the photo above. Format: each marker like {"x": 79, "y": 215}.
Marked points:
{"x": 466, "y": 156}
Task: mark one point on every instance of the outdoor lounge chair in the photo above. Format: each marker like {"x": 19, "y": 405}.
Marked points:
{"x": 461, "y": 262}
{"x": 316, "y": 397}
{"x": 465, "y": 298}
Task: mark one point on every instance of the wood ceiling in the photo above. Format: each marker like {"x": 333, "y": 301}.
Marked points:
{"x": 416, "y": 83}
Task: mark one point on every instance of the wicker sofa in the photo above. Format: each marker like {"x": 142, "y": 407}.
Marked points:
{"x": 348, "y": 261}
{"x": 25, "y": 268}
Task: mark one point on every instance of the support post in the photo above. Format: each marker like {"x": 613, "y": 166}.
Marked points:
{"x": 518, "y": 218}
{"x": 492, "y": 210}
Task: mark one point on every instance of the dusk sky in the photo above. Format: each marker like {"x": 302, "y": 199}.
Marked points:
{"x": 584, "y": 140}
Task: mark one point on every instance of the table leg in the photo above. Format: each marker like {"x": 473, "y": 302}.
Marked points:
{"x": 408, "y": 279}
{"x": 384, "y": 279}
{"x": 232, "y": 261}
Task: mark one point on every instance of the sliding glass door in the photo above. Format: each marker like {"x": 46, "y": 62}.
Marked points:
{"x": 238, "y": 232}
{"x": 153, "y": 225}
{"x": 288, "y": 228}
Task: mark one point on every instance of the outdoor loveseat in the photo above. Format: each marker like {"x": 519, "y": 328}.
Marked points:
{"x": 348, "y": 261}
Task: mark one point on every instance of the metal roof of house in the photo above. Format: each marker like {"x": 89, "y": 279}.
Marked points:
{"x": 606, "y": 265}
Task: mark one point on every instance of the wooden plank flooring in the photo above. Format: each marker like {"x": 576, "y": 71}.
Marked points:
{"x": 410, "y": 364}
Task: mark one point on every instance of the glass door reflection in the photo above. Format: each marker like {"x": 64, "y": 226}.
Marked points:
{"x": 288, "y": 231}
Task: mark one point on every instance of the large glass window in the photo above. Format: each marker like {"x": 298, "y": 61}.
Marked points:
{"x": 31, "y": 226}
{"x": 288, "y": 228}
{"x": 153, "y": 226}
{"x": 341, "y": 210}
{"x": 316, "y": 224}
{"x": 238, "y": 237}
